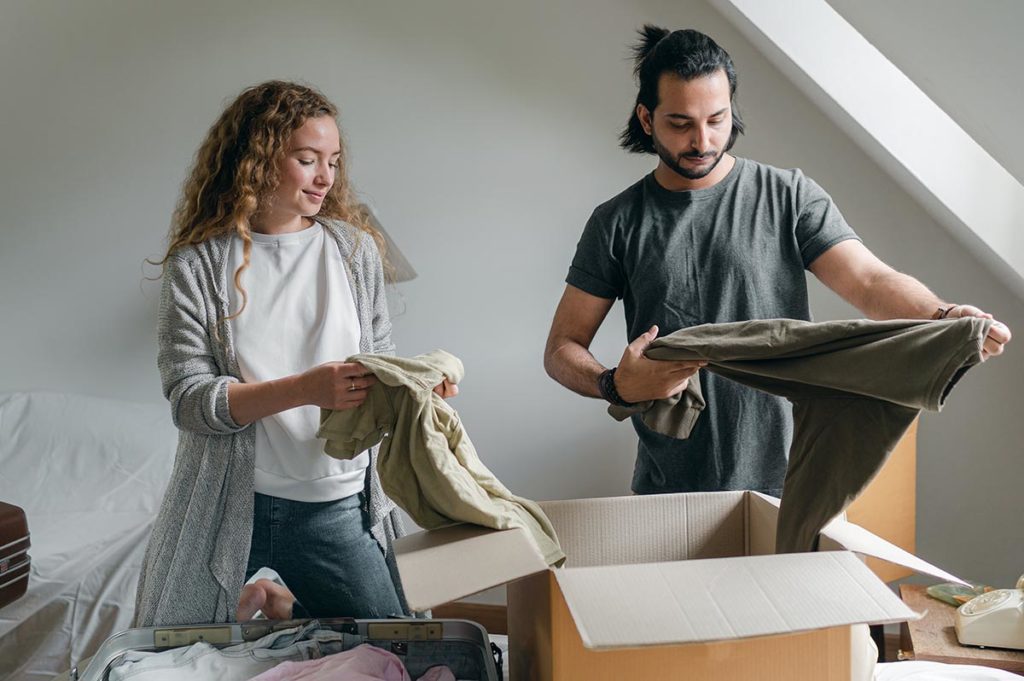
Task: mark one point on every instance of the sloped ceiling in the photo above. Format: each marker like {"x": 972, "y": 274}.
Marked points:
{"x": 967, "y": 56}
{"x": 925, "y": 150}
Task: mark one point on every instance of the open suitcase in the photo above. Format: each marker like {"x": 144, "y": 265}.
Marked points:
{"x": 14, "y": 559}
{"x": 461, "y": 645}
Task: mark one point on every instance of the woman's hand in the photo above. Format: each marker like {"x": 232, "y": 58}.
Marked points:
{"x": 337, "y": 385}
{"x": 275, "y": 600}
{"x": 446, "y": 389}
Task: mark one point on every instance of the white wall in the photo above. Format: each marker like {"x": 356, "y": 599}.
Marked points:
{"x": 485, "y": 136}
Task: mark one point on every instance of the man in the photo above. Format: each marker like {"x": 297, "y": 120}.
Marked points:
{"x": 711, "y": 238}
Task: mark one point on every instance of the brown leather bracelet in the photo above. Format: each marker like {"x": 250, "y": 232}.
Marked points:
{"x": 606, "y": 386}
{"x": 942, "y": 312}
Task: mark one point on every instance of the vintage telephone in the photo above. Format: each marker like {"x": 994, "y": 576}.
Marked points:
{"x": 993, "y": 619}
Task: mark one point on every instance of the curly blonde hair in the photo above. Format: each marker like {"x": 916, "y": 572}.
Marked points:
{"x": 235, "y": 171}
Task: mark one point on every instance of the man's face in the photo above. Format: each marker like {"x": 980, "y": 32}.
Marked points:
{"x": 691, "y": 124}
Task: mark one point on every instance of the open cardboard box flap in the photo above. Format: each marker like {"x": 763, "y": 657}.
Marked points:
{"x": 669, "y": 569}
{"x": 452, "y": 562}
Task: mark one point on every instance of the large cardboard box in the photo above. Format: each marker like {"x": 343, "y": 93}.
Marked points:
{"x": 675, "y": 586}
{"x": 888, "y": 505}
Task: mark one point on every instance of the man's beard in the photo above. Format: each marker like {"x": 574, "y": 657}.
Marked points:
{"x": 674, "y": 162}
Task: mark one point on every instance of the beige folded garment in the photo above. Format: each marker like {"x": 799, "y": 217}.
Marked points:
{"x": 427, "y": 463}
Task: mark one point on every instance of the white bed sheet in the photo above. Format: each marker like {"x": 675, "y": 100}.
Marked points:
{"x": 90, "y": 474}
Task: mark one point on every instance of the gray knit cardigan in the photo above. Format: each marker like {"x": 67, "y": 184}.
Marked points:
{"x": 196, "y": 558}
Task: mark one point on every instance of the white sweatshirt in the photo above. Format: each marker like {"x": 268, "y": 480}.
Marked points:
{"x": 300, "y": 313}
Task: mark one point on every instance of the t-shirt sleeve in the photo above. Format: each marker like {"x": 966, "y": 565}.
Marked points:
{"x": 820, "y": 225}
{"x": 595, "y": 268}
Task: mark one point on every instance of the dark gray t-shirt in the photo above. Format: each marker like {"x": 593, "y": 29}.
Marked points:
{"x": 733, "y": 252}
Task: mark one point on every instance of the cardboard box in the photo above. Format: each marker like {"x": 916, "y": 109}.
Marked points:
{"x": 888, "y": 505}
{"x": 675, "y": 586}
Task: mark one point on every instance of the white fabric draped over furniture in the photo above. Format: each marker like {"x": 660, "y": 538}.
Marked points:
{"x": 90, "y": 474}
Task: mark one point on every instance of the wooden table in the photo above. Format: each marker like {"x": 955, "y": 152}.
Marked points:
{"x": 933, "y": 637}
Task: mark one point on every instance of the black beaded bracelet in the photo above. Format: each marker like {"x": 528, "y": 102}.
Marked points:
{"x": 606, "y": 386}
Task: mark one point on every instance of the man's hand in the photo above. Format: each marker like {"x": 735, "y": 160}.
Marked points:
{"x": 638, "y": 379}
{"x": 998, "y": 334}
{"x": 274, "y": 600}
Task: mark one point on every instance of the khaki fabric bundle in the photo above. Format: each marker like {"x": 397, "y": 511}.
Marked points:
{"x": 855, "y": 387}
{"x": 427, "y": 463}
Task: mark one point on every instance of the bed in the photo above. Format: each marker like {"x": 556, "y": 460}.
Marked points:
{"x": 90, "y": 474}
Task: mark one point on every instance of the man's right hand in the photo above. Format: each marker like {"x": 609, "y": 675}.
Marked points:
{"x": 638, "y": 379}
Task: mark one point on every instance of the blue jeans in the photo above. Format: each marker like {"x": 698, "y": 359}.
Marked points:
{"x": 326, "y": 555}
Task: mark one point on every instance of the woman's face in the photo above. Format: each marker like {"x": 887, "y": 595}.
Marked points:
{"x": 306, "y": 172}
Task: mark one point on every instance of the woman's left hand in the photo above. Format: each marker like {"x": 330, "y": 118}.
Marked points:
{"x": 446, "y": 389}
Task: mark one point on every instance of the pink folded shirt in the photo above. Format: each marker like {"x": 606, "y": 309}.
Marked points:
{"x": 363, "y": 663}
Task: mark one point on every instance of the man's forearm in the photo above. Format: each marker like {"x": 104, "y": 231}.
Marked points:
{"x": 573, "y": 366}
{"x": 894, "y": 295}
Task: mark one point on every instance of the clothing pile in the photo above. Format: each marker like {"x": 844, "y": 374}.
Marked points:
{"x": 306, "y": 653}
{"x": 427, "y": 464}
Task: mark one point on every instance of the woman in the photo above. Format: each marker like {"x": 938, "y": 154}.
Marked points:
{"x": 272, "y": 273}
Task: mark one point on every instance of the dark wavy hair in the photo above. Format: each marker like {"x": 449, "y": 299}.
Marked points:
{"x": 687, "y": 54}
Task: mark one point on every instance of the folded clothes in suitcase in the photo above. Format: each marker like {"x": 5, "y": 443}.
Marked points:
{"x": 14, "y": 559}
{"x": 431, "y": 650}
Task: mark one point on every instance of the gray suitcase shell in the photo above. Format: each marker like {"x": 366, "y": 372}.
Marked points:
{"x": 462, "y": 645}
